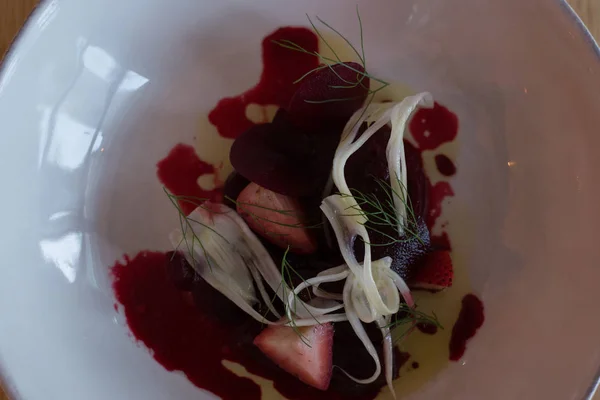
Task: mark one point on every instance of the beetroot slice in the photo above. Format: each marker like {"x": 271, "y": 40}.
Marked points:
{"x": 234, "y": 184}
{"x": 350, "y": 355}
{"x": 282, "y": 158}
{"x": 363, "y": 170}
{"x": 369, "y": 164}
{"x": 405, "y": 254}
{"x": 320, "y": 87}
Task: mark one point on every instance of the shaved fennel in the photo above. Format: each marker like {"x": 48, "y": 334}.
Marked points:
{"x": 227, "y": 255}
{"x": 371, "y": 290}
{"x": 395, "y": 151}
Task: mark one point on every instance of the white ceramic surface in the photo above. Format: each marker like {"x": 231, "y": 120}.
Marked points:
{"x": 95, "y": 92}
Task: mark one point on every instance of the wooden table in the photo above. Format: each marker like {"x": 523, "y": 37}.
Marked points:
{"x": 14, "y": 12}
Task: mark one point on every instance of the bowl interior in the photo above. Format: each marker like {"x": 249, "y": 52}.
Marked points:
{"x": 93, "y": 95}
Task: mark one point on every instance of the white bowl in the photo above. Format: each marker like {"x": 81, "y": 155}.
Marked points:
{"x": 94, "y": 93}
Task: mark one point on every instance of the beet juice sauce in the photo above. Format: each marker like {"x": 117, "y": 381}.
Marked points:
{"x": 181, "y": 335}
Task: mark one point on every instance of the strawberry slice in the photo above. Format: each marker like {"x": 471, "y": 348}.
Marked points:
{"x": 306, "y": 352}
{"x": 434, "y": 273}
{"x": 276, "y": 217}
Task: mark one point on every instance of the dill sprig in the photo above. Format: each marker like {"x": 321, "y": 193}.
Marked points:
{"x": 409, "y": 319}
{"x": 287, "y": 274}
{"x": 381, "y": 213}
{"x": 329, "y": 62}
{"x": 185, "y": 224}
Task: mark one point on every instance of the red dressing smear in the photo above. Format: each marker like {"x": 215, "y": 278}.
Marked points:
{"x": 445, "y": 165}
{"x": 178, "y": 334}
{"x": 281, "y": 67}
{"x": 437, "y": 194}
{"x": 179, "y": 172}
{"x": 469, "y": 321}
{"x": 432, "y": 127}
{"x": 183, "y": 337}
{"x": 428, "y": 329}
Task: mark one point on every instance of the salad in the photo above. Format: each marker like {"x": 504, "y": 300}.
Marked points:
{"x": 302, "y": 267}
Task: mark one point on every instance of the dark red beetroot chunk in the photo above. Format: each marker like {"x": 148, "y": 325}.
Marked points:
{"x": 234, "y": 184}
{"x": 281, "y": 67}
{"x": 469, "y": 320}
{"x": 284, "y": 159}
{"x": 180, "y": 272}
{"x": 363, "y": 171}
{"x": 350, "y": 355}
{"x": 311, "y": 107}
{"x": 405, "y": 253}
{"x": 294, "y": 154}
{"x": 179, "y": 172}
{"x": 369, "y": 164}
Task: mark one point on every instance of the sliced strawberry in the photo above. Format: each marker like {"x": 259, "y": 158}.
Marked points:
{"x": 434, "y": 273}
{"x": 276, "y": 217}
{"x": 306, "y": 352}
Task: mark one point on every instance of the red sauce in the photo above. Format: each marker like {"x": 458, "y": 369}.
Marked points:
{"x": 182, "y": 337}
{"x": 437, "y": 194}
{"x": 415, "y": 365}
{"x": 432, "y": 127}
{"x": 445, "y": 165}
{"x": 441, "y": 241}
{"x": 179, "y": 172}
{"x": 469, "y": 321}
{"x": 178, "y": 335}
{"x": 281, "y": 67}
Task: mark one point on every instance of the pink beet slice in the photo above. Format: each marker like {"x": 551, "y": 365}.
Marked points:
{"x": 278, "y": 218}
{"x": 312, "y": 106}
{"x": 435, "y": 272}
{"x": 306, "y": 353}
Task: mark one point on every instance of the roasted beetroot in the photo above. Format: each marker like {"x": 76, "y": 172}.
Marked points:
{"x": 367, "y": 173}
{"x": 293, "y": 154}
{"x": 368, "y": 166}
{"x": 180, "y": 272}
{"x": 350, "y": 355}
{"x": 234, "y": 184}
{"x": 281, "y": 158}
{"x": 407, "y": 251}
{"x": 326, "y": 99}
